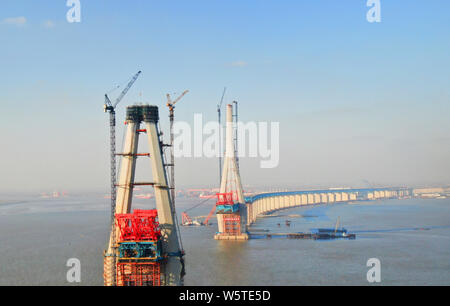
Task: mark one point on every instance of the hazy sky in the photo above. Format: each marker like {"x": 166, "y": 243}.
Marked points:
{"x": 358, "y": 103}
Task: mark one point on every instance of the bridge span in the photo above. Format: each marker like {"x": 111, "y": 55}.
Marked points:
{"x": 235, "y": 212}
{"x": 268, "y": 202}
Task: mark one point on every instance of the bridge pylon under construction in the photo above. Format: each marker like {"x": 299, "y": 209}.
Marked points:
{"x": 144, "y": 248}
{"x": 230, "y": 207}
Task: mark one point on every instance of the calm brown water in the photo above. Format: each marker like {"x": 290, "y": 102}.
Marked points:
{"x": 410, "y": 237}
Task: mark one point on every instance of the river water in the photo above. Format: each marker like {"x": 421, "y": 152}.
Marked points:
{"x": 411, "y": 238}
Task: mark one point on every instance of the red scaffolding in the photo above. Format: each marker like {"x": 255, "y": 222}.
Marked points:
{"x": 141, "y": 225}
{"x": 225, "y": 198}
{"x": 138, "y": 274}
{"x": 232, "y": 224}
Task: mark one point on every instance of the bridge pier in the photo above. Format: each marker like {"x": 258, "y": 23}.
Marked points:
{"x": 344, "y": 197}
{"x": 304, "y": 198}
{"x": 330, "y": 197}
{"x": 316, "y": 198}
{"x": 267, "y": 204}
{"x": 231, "y": 209}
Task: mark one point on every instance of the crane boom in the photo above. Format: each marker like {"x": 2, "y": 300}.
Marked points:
{"x": 124, "y": 92}
{"x": 181, "y": 96}
{"x": 209, "y": 215}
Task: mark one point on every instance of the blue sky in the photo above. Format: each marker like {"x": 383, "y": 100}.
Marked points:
{"x": 355, "y": 100}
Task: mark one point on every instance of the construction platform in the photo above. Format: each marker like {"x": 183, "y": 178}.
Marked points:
{"x": 231, "y": 237}
{"x": 139, "y": 249}
{"x": 315, "y": 236}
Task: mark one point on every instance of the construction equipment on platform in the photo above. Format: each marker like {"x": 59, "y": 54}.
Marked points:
{"x": 188, "y": 221}
{"x": 111, "y": 108}
{"x": 148, "y": 250}
{"x": 171, "y": 105}
{"x": 139, "y": 245}
{"x": 336, "y": 227}
{"x": 206, "y": 221}
{"x": 332, "y": 233}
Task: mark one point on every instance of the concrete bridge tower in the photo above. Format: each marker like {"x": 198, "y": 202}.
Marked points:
{"x": 230, "y": 207}
{"x": 163, "y": 263}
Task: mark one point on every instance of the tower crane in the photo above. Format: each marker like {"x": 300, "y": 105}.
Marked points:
{"x": 219, "y": 108}
{"x": 171, "y": 105}
{"x": 111, "y": 108}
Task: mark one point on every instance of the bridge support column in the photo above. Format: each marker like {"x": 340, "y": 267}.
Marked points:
{"x": 344, "y": 197}
{"x": 231, "y": 218}
{"x": 304, "y": 199}
{"x": 171, "y": 271}
{"x": 331, "y": 198}
{"x": 292, "y": 201}
{"x": 316, "y": 198}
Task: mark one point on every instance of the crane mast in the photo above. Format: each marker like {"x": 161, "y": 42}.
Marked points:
{"x": 219, "y": 108}
{"x": 111, "y": 109}
{"x": 171, "y": 105}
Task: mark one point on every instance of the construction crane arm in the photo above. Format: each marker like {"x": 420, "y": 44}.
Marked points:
{"x": 209, "y": 215}
{"x": 181, "y": 96}
{"x": 124, "y": 92}
{"x": 219, "y": 106}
